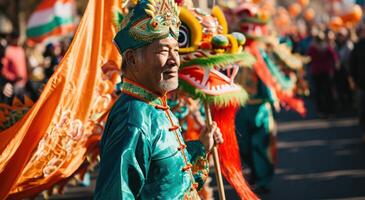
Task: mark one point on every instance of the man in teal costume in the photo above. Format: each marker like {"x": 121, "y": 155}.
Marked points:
{"x": 253, "y": 126}
{"x": 143, "y": 155}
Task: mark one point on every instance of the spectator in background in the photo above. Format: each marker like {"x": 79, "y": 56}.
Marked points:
{"x": 53, "y": 56}
{"x": 330, "y": 38}
{"x": 6, "y": 89}
{"x": 305, "y": 43}
{"x": 14, "y": 68}
{"x": 64, "y": 44}
{"x": 36, "y": 77}
{"x": 343, "y": 49}
{"x": 323, "y": 62}
{"x": 357, "y": 70}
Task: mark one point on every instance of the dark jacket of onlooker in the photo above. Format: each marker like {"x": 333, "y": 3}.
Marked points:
{"x": 357, "y": 64}
{"x": 323, "y": 60}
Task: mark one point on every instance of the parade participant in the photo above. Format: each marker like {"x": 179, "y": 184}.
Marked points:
{"x": 254, "y": 124}
{"x": 267, "y": 87}
{"x": 143, "y": 155}
{"x": 253, "y": 121}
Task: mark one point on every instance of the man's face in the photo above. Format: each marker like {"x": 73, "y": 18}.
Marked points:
{"x": 159, "y": 64}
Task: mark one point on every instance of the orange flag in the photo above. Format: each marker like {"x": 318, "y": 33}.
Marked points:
{"x": 53, "y": 139}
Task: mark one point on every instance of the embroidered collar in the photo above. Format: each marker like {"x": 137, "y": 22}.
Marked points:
{"x": 136, "y": 90}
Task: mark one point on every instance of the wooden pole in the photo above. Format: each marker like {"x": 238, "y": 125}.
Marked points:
{"x": 217, "y": 167}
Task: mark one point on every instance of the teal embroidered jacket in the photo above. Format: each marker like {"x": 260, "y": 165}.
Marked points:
{"x": 143, "y": 155}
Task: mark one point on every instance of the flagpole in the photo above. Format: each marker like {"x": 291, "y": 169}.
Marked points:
{"x": 217, "y": 167}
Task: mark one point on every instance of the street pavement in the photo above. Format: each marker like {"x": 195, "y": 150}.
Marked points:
{"x": 317, "y": 159}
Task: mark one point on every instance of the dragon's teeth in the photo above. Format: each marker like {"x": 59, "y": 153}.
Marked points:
{"x": 208, "y": 85}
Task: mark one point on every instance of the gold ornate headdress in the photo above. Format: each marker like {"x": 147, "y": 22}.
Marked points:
{"x": 147, "y": 20}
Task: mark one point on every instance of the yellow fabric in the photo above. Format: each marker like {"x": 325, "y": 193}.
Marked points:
{"x": 51, "y": 141}
{"x": 196, "y": 28}
{"x": 218, "y": 13}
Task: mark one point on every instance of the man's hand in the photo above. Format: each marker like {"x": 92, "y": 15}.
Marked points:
{"x": 209, "y": 137}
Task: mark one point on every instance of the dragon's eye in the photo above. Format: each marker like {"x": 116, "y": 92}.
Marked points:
{"x": 184, "y": 36}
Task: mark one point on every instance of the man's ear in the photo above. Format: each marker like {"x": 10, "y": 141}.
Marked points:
{"x": 130, "y": 58}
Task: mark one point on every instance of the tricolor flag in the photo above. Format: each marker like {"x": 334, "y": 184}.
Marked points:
{"x": 51, "y": 18}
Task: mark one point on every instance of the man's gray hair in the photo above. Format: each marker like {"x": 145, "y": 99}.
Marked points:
{"x": 139, "y": 54}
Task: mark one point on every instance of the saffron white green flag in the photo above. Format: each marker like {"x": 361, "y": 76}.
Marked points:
{"x": 51, "y": 18}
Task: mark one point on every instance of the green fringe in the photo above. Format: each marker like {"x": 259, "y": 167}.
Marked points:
{"x": 245, "y": 59}
{"x": 237, "y": 98}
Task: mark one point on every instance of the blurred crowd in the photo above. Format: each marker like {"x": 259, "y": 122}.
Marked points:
{"x": 26, "y": 68}
{"x": 337, "y": 68}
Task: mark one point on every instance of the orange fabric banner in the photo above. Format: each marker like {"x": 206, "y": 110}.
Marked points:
{"x": 52, "y": 140}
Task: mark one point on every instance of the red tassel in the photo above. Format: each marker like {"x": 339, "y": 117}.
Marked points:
{"x": 229, "y": 155}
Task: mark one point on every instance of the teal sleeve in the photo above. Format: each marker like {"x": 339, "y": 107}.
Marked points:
{"x": 124, "y": 165}
{"x": 199, "y": 161}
